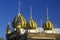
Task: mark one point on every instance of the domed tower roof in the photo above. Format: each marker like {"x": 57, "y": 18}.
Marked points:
{"x": 19, "y": 21}
{"x": 48, "y": 24}
{"x": 32, "y": 24}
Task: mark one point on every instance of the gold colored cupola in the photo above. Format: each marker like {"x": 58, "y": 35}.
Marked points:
{"x": 19, "y": 21}
{"x": 8, "y": 29}
{"x": 32, "y": 23}
{"x": 48, "y": 25}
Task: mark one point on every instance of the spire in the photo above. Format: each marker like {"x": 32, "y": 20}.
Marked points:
{"x": 8, "y": 29}
{"x": 47, "y": 13}
{"x": 19, "y": 7}
{"x": 41, "y": 22}
{"x": 31, "y": 12}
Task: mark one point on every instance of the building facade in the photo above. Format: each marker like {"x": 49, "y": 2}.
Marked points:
{"x": 30, "y": 31}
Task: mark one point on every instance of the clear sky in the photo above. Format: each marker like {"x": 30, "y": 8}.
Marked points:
{"x": 9, "y": 9}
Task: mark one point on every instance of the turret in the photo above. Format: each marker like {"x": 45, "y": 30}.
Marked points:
{"x": 32, "y": 23}
{"x": 19, "y": 21}
{"x": 48, "y": 25}
{"x": 8, "y": 29}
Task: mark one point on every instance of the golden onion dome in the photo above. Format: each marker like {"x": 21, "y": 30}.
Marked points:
{"x": 8, "y": 29}
{"x": 48, "y": 25}
{"x": 32, "y": 24}
{"x": 19, "y": 21}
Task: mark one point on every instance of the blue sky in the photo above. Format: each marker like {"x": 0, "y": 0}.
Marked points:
{"x": 9, "y": 9}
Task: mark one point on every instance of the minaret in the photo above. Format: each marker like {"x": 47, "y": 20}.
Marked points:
{"x": 8, "y": 29}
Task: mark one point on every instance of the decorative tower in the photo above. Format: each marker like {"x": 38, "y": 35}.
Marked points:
{"x": 32, "y": 23}
{"x": 48, "y": 24}
{"x": 8, "y": 29}
{"x": 19, "y": 21}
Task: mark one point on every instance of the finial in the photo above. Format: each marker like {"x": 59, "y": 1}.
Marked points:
{"x": 31, "y": 12}
{"x": 55, "y": 25}
{"x": 47, "y": 12}
{"x": 19, "y": 7}
{"x": 41, "y": 22}
{"x": 8, "y": 23}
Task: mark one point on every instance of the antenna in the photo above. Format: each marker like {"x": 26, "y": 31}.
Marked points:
{"x": 19, "y": 7}
{"x": 47, "y": 12}
{"x": 30, "y": 11}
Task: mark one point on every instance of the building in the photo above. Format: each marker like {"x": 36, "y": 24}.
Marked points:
{"x": 30, "y": 31}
